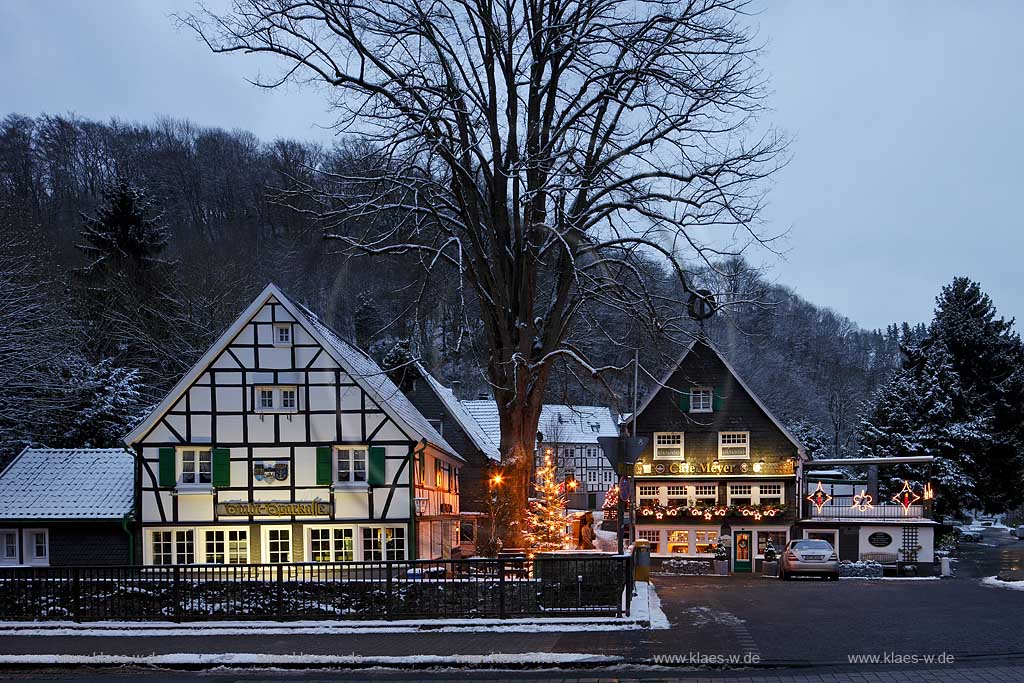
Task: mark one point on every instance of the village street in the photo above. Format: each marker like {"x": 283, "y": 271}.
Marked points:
{"x": 798, "y": 627}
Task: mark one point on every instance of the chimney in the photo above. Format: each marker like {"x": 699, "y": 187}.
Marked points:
{"x": 482, "y": 396}
{"x": 456, "y": 387}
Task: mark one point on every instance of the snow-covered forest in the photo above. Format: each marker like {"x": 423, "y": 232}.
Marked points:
{"x": 96, "y": 329}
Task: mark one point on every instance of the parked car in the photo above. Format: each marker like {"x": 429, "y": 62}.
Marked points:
{"x": 970, "y": 533}
{"x": 809, "y": 556}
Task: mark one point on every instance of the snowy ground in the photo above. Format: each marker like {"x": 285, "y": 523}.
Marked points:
{"x": 996, "y": 582}
{"x": 194, "y": 660}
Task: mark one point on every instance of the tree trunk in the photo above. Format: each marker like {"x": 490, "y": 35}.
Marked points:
{"x": 519, "y": 419}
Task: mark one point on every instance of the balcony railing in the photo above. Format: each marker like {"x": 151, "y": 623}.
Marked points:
{"x": 845, "y": 507}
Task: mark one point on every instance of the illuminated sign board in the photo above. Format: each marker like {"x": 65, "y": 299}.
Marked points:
{"x": 712, "y": 469}
{"x": 273, "y": 508}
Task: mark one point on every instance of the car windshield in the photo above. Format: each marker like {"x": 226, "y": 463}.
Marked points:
{"x": 812, "y": 544}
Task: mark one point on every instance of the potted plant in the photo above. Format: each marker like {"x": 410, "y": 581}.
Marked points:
{"x": 721, "y": 560}
{"x": 770, "y": 566}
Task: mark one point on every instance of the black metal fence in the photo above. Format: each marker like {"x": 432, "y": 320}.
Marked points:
{"x": 495, "y": 588}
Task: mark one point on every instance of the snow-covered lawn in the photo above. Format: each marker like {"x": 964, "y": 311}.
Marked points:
{"x": 996, "y": 582}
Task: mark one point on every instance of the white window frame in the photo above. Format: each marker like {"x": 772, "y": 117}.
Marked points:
{"x": 752, "y": 495}
{"x": 350, "y": 480}
{"x": 332, "y": 541}
{"x": 691, "y": 540}
{"x": 378, "y": 530}
{"x": 702, "y": 408}
{"x": 265, "y": 542}
{"x": 197, "y": 545}
{"x": 681, "y": 445}
{"x": 278, "y": 327}
{"x": 16, "y": 559}
{"x": 277, "y": 403}
{"x": 228, "y": 554}
{"x": 746, "y": 442}
{"x": 197, "y": 472}
{"x": 29, "y": 547}
{"x": 781, "y": 495}
{"x": 654, "y": 536}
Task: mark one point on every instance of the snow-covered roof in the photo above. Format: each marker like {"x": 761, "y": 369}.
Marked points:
{"x": 364, "y": 371}
{"x": 480, "y": 438}
{"x": 558, "y": 422}
{"x": 68, "y": 483}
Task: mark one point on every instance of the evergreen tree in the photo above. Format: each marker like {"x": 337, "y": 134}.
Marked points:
{"x": 545, "y": 519}
{"x": 814, "y": 439}
{"x": 958, "y": 397}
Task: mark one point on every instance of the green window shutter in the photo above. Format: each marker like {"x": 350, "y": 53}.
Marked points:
{"x": 168, "y": 477}
{"x": 376, "y": 466}
{"x": 716, "y": 399}
{"x": 323, "y": 466}
{"x": 221, "y": 467}
{"x": 684, "y": 401}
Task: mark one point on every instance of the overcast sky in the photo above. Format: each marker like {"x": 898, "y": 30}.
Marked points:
{"x": 907, "y": 122}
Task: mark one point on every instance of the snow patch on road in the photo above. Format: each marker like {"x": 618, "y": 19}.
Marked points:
{"x": 702, "y": 616}
{"x": 250, "y": 659}
{"x": 996, "y": 582}
{"x": 646, "y": 606}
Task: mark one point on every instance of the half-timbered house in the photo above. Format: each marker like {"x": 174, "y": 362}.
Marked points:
{"x": 286, "y": 444}
{"x": 718, "y": 464}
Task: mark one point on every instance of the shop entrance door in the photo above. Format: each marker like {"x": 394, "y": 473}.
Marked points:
{"x": 741, "y": 561}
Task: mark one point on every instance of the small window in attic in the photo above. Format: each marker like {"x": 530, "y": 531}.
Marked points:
{"x": 283, "y": 334}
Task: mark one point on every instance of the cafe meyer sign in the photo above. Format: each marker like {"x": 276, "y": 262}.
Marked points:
{"x": 275, "y": 508}
{"x": 714, "y": 468}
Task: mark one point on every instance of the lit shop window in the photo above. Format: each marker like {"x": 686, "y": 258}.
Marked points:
{"x": 652, "y": 535}
{"x": 331, "y": 545}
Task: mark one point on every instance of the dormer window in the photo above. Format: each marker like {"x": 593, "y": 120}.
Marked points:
{"x": 283, "y": 335}
{"x": 701, "y": 400}
{"x": 276, "y": 399}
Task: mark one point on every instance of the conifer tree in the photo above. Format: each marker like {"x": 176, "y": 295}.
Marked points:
{"x": 545, "y": 519}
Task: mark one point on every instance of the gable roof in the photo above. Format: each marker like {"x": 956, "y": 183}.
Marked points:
{"x": 574, "y": 424}
{"x": 68, "y": 483}
{"x": 663, "y": 382}
{"x": 476, "y": 434}
{"x": 363, "y": 369}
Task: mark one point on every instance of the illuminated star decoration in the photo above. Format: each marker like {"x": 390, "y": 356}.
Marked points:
{"x": 819, "y": 497}
{"x": 906, "y": 497}
{"x": 862, "y": 501}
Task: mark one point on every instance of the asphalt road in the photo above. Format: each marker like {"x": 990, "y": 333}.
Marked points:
{"x": 802, "y": 627}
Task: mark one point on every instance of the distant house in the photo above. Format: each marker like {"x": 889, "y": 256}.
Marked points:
{"x": 61, "y": 507}
{"x": 571, "y": 433}
{"x": 446, "y": 413}
{"x": 286, "y": 444}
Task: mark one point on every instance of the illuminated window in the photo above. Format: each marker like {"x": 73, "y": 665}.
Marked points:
{"x": 778, "y": 539}
{"x": 701, "y": 400}
{"x": 668, "y": 446}
{"x": 652, "y": 535}
{"x": 679, "y": 542}
{"x": 733, "y": 445}
{"x": 770, "y": 494}
{"x": 383, "y": 544}
{"x": 279, "y": 546}
{"x": 331, "y": 545}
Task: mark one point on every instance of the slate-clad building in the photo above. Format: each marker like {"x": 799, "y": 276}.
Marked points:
{"x": 718, "y": 464}
{"x": 284, "y": 444}
{"x": 447, "y": 414}
{"x": 61, "y": 507}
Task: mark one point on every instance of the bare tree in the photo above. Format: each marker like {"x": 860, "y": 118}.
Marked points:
{"x": 544, "y": 150}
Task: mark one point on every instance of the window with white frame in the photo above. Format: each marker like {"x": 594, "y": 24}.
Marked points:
{"x": 9, "y": 546}
{"x": 351, "y": 464}
{"x": 676, "y": 495}
{"x": 37, "y": 550}
{"x": 196, "y": 466}
{"x": 276, "y": 399}
{"x": 608, "y": 475}
{"x": 226, "y": 546}
{"x": 706, "y": 493}
{"x": 652, "y": 535}
{"x": 331, "y": 544}
{"x": 383, "y": 544}
{"x": 173, "y": 546}
{"x": 279, "y": 545}
{"x": 733, "y": 445}
{"x": 769, "y": 494}
{"x": 282, "y": 334}
{"x": 701, "y": 400}
{"x": 740, "y": 494}
{"x": 646, "y": 493}
{"x": 668, "y": 446}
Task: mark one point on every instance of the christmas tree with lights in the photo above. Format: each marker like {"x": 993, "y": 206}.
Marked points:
{"x": 611, "y": 504}
{"x": 546, "y": 515}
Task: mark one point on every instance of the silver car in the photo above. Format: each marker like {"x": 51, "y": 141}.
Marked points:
{"x": 809, "y": 556}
